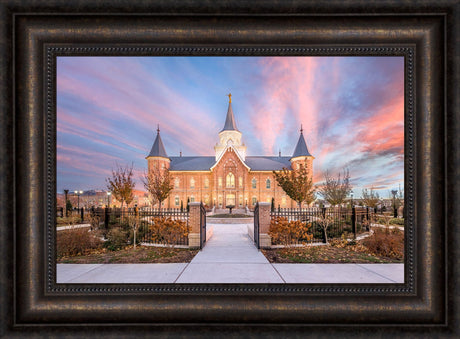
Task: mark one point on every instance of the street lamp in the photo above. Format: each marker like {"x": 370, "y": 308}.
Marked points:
{"x": 351, "y": 199}
{"x": 78, "y": 195}
{"x": 108, "y": 199}
{"x": 394, "y": 192}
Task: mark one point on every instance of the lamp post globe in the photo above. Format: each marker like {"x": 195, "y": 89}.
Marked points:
{"x": 108, "y": 199}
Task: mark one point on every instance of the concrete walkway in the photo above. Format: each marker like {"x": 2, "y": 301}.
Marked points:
{"x": 230, "y": 257}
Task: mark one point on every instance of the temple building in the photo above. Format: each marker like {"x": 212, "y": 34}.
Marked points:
{"x": 230, "y": 176}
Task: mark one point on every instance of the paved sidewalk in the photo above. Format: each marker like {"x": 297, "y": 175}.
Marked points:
{"x": 230, "y": 257}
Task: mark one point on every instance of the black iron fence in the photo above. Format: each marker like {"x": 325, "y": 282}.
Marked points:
{"x": 331, "y": 222}
{"x": 152, "y": 225}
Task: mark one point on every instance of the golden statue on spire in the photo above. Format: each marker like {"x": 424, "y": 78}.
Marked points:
{"x": 229, "y": 97}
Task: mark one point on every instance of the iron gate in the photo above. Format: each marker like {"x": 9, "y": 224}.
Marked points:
{"x": 202, "y": 225}
{"x": 256, "y": 226}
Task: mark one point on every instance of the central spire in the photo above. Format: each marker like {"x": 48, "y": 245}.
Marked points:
{"x": 230, "y": 123}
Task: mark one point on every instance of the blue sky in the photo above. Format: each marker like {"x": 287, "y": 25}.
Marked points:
{"x": 351, "y": 110}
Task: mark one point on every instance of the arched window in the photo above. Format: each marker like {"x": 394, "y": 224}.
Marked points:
{"x": 268, "y": 183}
{"x": 219, "y": 182}
{"x": 254, "y": 183}
{"x": 192, "y": 183}
{"x": 206, "y": 183}
{"x": 176, "y": 183}
{"x": 240, "y": 182}
{"x": 230, "y": 180}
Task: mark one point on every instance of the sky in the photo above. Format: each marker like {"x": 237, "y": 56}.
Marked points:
{"x": 351, "y": 110}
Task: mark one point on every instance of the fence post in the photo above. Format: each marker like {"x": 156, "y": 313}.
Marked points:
{"x": 353, "y": 221}
{"x": 194, "y": 224}
{"x": 82, "y": 214}
{"x": 106, "y": 219}
{"x": 265, "y": 240}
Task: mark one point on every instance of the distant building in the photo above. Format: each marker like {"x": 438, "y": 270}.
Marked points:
{"x": 230, "y": 176}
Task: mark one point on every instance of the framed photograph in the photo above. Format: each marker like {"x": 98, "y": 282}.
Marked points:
{"x": 58, "y": 55}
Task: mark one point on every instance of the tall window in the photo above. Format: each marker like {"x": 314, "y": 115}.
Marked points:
{"x": 219, "y": 182}
{"x": 206, "y": 183}
{"x": 192, "y": 199}
{"x": 176, "y": 183}
{"x": 240, "y": 182}
{"x": 230, "y": 180}
{"x": 241, "y": 200}
{"x": 268, "y": 183}
{"x": 192, "y": 183}
{"x": 176, "y": 201}
{"x": 254, "y": 200}
{"x": 254, "y": 183}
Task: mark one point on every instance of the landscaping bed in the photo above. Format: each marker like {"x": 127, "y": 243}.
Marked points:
{"x": 129, "y": 255}
{"x": 384, "y": 246}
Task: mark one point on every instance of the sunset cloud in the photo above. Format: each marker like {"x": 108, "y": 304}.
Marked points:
{"x": 351, "y": 110}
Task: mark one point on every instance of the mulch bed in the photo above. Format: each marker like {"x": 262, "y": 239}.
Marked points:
{"x": 129, "y": 255}
{"x": 325, "y": 254}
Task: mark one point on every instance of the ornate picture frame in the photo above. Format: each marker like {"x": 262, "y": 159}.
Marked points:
{"x": 34, "y": 35}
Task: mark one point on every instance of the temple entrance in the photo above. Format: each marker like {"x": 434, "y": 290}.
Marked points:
{"x": 230, "y": 200}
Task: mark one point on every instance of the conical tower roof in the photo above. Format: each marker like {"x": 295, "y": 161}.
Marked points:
{"x": 230, "y": 123}
{"x": 301, "y": 149}
{"x": 158, "y": 149}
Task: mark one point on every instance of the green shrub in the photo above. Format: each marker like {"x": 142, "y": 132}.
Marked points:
{"x": 116, "y": 239}
{"x": 77, "y": 241}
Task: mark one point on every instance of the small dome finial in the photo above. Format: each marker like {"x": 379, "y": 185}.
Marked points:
{"x": 301, "y": 129}
{"x": 158, "y": 128}
{"x": 229, "y": 98}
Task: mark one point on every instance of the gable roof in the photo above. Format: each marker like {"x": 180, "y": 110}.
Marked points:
{"x": 158, "y": 149}
{"x": 267, "y": 163}
{"x": 204, "y": 163}
{"x": 196, "y": 163}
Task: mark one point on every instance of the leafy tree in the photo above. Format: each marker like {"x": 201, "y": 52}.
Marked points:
{"x": 370, "y": 198}
{"x": 121, "y": 184}
{"x": 336, "y": 190}
{"x": 297, "y": 184}
{"x": 158, "y": 183}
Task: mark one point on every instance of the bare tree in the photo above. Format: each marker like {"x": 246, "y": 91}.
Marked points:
{"x": 336, "y": 190}
{"x": 297, "y": 184}
{"x": 158, "y": 184}
{"x": 121, "y": 184}
{"x": 370, "y": 198}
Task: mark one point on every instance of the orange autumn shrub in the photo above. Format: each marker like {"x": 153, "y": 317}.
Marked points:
{"x": 284, "y": 232}
{"x": 168, "y": 231}
{"x": 76, "y": 241}
{"x": 386, "y": 242}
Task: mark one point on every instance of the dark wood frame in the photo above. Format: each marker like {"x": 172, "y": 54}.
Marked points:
{"x": 33, "y": 34}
